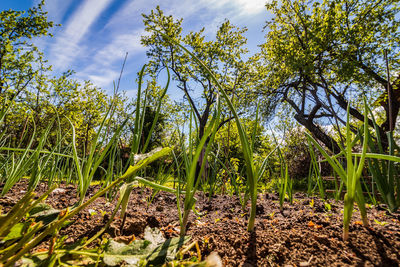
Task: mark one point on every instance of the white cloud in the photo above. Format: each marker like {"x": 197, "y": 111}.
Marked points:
{"x": 202, "y": 13}
{"x": 130, "y": 13}
{"x": 100, "y": 57}
{"x": 107, "y": 61}
{"x": 102, "y": 78}
{"x": 67, "y": 47}
{"x": 125, "y": 28}
{"x": 252, "y": 7}
{"x": 240, "y": 7}
{"x": 55, "y": 8}
{"x": 115, "y": 51}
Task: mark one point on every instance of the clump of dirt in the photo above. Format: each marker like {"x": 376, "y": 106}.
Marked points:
{"x": 306, "y": 233}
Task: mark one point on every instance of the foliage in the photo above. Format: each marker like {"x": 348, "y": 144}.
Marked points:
{"x": 295, "y": 152}
{"x": 223, "y": 56}
{"x": 350, "y": 176}
{"x": 384, "y": 173}
{"x": 231, "y": 163}
{"x": 21, "y": 63}
{"x": 253, "y": 172}
{"x": 20, "y": 60}
{"x": 153, "y": 250}
{"x": 14, "y": 251}
{"x": 36, "y": 98}
{"x": 319, "y": 56}
{"x": 228, "y": 138}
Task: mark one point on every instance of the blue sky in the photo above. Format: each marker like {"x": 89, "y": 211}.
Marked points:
{"x": 96, "y": 34}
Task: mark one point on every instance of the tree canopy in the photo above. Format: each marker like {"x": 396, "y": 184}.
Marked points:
{"x": 320, "y": 56}
{"x": 35, "y": 96}
{"x": 224, "y": 56}
{"x": 20, "y": 60}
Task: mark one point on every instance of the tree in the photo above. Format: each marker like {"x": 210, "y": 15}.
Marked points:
{"x": 20, "y": 60}
{"x": 320, "y": 57}
{"x": 223, "y": 57}
{"x": 83, "y": 103}
{"x": 34, "y": 94}
{"x": 21, "y": 63}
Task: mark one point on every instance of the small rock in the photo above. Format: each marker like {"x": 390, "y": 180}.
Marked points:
{"x": 58, "y": 191}
{"x": 69, "y": 240}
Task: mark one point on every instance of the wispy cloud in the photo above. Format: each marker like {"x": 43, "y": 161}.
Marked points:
{"x": 98, "y": 55}
{"x": 201, "y": 13}
{"x": 129, "y": 14}
{"x": 125, "y": 28}
{"x": 241, "y": 8}
{"x": 102, "y": 77}
{"x": 56, "y": 9}
{"x": 251, "y": 7}
{"x": 67, "y": 45}
{"x": 116, "y": 49}
{"x": 104, "y": 68}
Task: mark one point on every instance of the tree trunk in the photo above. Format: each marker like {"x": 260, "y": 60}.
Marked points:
{"x": 317, "y": 132}
{"x": 202, "y": 127}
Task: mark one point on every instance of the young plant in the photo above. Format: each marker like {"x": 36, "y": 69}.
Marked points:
{"x": 283, "y": 184}
{"x": 192, "y": 176}
{"x": 138, "y": 135}
{"x": 350, "y": 176}
{"x": 30, "y": 162}
{"x": 315, "y": 172}
{"x": 384, "y": 173}
{"x": 252, "y": 172}
{"x": 34, "y": 235}
{"x": 87, "y": 166}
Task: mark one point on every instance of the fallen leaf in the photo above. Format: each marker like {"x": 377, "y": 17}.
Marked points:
{"x": 314, "y": 225}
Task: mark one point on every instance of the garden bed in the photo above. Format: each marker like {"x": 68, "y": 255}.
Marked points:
{"x": 307, "y": 233}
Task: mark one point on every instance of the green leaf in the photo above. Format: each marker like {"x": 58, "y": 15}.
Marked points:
{"x": 46, "y": 216}
{"x": 33, "y": 261}
{"x": 39, "y": 208}
{"x": 132, "y": 254}
{"x": 167, "y": 250}
{"x": 154, "y": 250}
{"x": 16, "y": 232}
{"x": 153, "y": 235}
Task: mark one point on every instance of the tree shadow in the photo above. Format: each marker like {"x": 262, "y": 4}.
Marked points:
{"x": 380, "y": 241}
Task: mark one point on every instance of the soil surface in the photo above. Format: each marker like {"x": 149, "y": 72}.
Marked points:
{"x": 306, "y": 233}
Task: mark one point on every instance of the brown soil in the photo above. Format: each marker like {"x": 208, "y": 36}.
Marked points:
{"x": 305, "y": 234}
